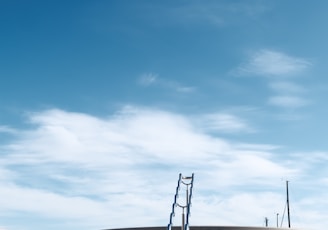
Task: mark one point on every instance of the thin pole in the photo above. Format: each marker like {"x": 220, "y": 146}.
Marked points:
{"x": 277, "y": 220}
{"x": 187, "y": 195}
{"x": 288, "y": 213}
{"x": 187, "y": 209}
{"x": 183, "y": 219}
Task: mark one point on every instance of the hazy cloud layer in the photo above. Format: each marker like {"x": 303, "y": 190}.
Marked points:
{"x": 96, "y": 171}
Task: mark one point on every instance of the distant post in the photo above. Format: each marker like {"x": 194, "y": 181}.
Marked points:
{"x": 277, "y": 220}
{"x": 288, "y": 213}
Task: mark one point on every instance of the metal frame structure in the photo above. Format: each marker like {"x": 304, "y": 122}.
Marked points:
{"x": 188, "y": 182}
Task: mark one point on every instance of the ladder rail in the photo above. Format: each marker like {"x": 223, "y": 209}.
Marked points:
{"x": 174, "y": 202}
{"x": 189, "y": 203}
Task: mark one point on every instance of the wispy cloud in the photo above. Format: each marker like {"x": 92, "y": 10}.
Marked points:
{"x": 288, "y": 101}
{"x": 148, "y": 79}
{"x": 286, "y": 87}
{"x": 288, "y": 95}
{"x": 95, "y": 171}
{"x": 273, "y": 64}
{"x": 6, "y": 129}
{"x": 152, "y": 79}
{"x": 217, "y": 13}
{"x": 185, "y": 89}
{"x": 280, "y": 71}
{"x": 224, "y": 122}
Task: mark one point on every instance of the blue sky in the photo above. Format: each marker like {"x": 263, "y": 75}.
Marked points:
{"x": 104, "y": 103}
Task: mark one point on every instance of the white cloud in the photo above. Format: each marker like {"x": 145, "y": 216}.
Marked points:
{"x": 217, "y": 14}
{"x": 273, "y": 63}
{"x": 46, "y": 203}
{"x": 6, "y": 129}
{"x": 286, "y": 87}
{"x": 78, "y": 168}
{"x": 148, "y": 79}
{"x": 151, "y": 79}
{"x": 185, "y": 89}
{"x": 289, "y": 95}
{"x": 277, "y": 67}
{"x": 224, "y": 122}
{"x": 288, "y": 101}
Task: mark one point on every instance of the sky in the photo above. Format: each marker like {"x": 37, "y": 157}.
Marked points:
{"x": 104, "y": 103}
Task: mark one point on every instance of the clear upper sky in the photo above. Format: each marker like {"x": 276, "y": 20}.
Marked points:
{"x": 104, "y": 103}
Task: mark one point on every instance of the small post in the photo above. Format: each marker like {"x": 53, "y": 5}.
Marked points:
{"x": 288, "y": 213}
{"x": 277, "y": 220}
{"x": 183, "y": 219}
{"x": 187, "y": 195}
{"x": 266, "y": 221}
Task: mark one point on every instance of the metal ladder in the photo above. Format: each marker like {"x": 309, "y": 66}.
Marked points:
{"x": 188, "y": 182}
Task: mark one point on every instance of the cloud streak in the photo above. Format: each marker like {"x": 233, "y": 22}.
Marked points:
{"x": 224, "y": 122}
{"x": 148, "y": 79}
{"x": 270, "y": 63}
{"x": 216, "y": 14}
{"x": 151, "y": 80}
{"x": 286, "y": 87}
{"x": 288, "y": 101}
